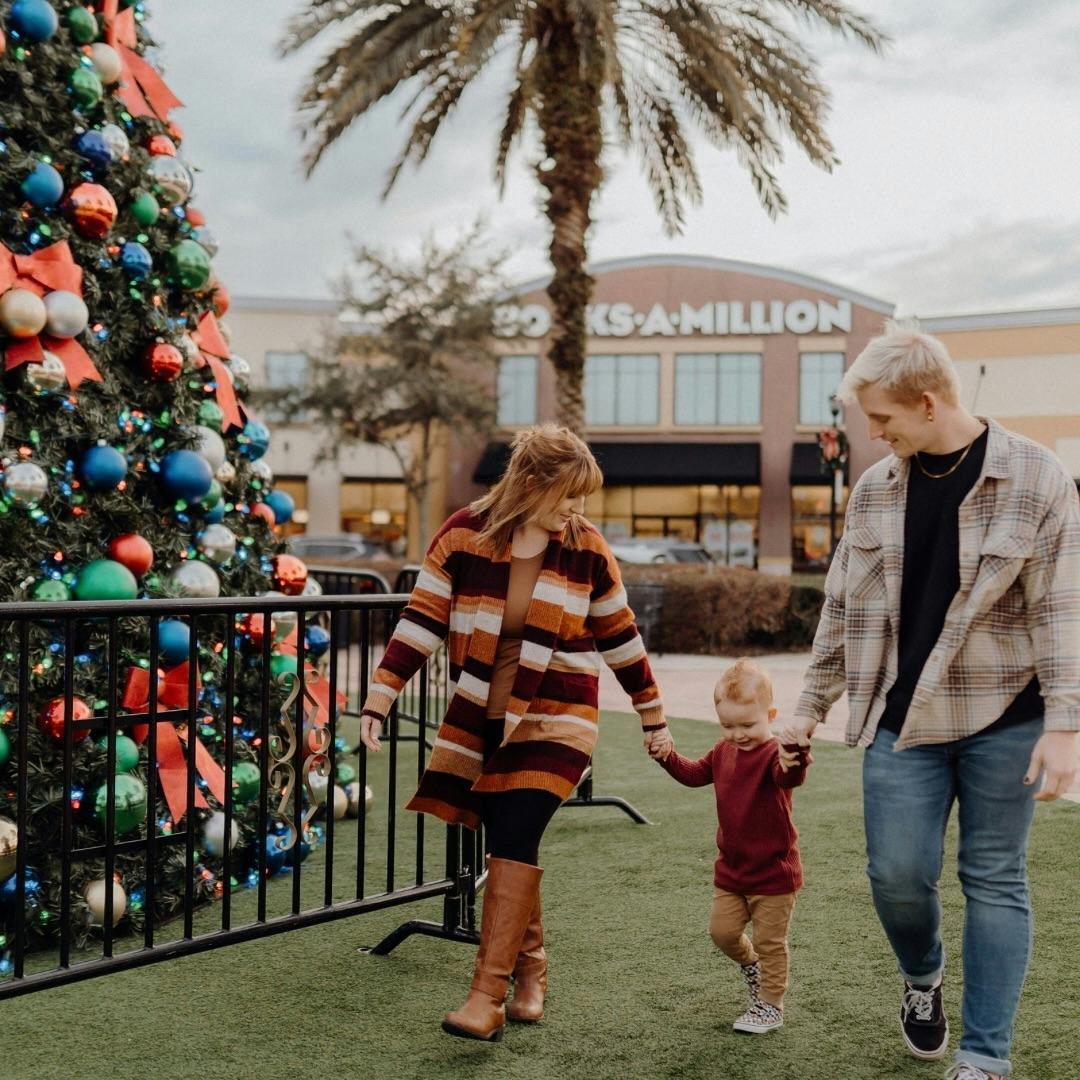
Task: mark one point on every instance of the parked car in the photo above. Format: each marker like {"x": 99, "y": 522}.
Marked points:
{"x": 659, "y": 549}
{"x": 336, "y": 548}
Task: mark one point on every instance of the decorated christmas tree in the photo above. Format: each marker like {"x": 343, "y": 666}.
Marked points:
{"x": 129, "y": 468}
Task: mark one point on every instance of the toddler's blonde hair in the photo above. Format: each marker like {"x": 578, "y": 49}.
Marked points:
{"x": 744, "y": 683}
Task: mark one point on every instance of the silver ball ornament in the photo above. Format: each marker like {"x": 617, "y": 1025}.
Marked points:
{"x": 66, "y": 314}
{"x": 214, "y": 834}
{"x": 9, "y": 847}
{"x": 211, "y": 446}
{"x": 217, "y": 542}
{"x": 284, "y": 621}
{"x": 193, "y": 578}
{"x": 95, "y": 901}
{"x": 49, "y": 375}
{"x": 206, "y": 239}
{"x": 311, "y": 587}
{"x": 240, "y": 371}
{"x": 260, "y": 469}
{"x": 171, "y": 179}
{"x": 25, "y": 483}
{"x": 225, "y": 473}
{"x": 188, "y": 348}
{"x": 107, "y": 62}
{"x": 22, "y": 313}
{"x": 116, "y": 140}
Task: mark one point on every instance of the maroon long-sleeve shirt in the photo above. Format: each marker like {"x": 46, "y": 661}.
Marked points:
{"x": 758, "y": 842}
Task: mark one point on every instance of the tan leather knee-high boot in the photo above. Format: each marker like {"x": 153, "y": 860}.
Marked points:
{"x": 509, "y": 899}
{"x": 530, "y": 973}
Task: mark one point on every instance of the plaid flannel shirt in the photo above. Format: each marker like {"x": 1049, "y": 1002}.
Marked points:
{"x": 1016, "y": 613}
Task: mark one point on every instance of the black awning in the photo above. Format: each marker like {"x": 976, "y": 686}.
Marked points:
{"x": 653, "y": 463}
{"x": 806, "y": 466}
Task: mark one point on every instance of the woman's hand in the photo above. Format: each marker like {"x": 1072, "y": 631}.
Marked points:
{"x": 370, "y": 730}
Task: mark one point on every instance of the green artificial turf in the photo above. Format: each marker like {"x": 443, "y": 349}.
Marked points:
{"x": 637, "y": 989}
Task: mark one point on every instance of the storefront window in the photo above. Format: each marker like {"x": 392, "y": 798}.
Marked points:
{"x": 810, "y": 547}
{"x": 285, "y": 371}
{"x": 819, "y": 377}
{"x": 296, "y": 486}
{"x": 517, "y": 390}
{"x": 377, "y": 509}
{"x": 718, "y": 389}
{"x": 622, "y": 390}
{"x": 722, "y": 518}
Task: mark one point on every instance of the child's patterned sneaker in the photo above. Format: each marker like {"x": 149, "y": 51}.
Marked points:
{"x": 923, "y": 1023}
{"x": 752, "y": 974}
{"x": 759, "y": 1018}
{"x": 963, "y": 1071}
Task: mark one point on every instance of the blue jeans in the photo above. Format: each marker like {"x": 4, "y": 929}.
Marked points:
{"x": 907, "y": 798}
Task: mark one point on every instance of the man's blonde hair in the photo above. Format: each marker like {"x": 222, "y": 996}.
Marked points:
{"x": 905, "y": 363}
{"x": 744, "y": 683}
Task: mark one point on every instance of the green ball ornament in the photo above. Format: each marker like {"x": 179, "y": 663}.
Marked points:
{"x": 85, "y": 87}
{"x": 145, "y": 209}
{"x": 188, "y": 264}
{"x": 210, "y": 415}
{"x": 81, "y": 25}
{"x": 129, "y": 802}
{"x": 245, "y": 781}
{"x": 5, "y": 748}
{"x": 104, "y": 579}
{"x": 212, "y": 497}
{"x": 127, "y": 753}
{"x": 345, "y": 774}
{"x": 283, "y": 667}
{"x": 50, "y": 590}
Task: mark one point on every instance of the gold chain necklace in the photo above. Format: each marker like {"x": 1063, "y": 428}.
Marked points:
{"x": 952, "y": 468}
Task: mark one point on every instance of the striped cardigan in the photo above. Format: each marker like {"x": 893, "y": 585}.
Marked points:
{"x": 578, "y": 614}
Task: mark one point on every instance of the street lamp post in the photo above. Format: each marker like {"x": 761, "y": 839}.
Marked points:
{"x": 837, "y": 477}
{"x": 833, "y": 448}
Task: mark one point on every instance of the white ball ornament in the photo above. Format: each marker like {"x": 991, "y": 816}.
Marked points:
{"x": 214, "y": 834}
{"x": 205, "y": 239}
{"x": 50, "y": 375}
{"x": 95, "y": 901}
{"x": 311, "y": 587}
{"x": 341, "y": 803}
{"x": 66, "y": 314}
{"x": 225, "y": 472}
{"x": 107, "y": 62}
{"x": 9, "y": 847}
{"x": 25, "y": 483}
{"x": 188, "y": 348}
{"x": 194, "y": 578}
{"x": 217, "y": 542}
{"x": 284, "y": 621}
{"x": 116, "y": 140}
{"x": 22, "y": 313}
{"x": 260, "y": 468}
{"x": 171, "y": 179}
{"x": 211, "y": 446}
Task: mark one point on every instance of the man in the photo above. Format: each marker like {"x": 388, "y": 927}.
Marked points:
{"x": 952, "y": 619}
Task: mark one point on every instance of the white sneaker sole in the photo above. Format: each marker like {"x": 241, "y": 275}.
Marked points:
{"x": 755, "y": 1029}
{"x": 926, "y": 1055}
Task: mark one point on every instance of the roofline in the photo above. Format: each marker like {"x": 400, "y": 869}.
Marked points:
{"x": 736, "y": 266}
{"x": 1002, "y": 320}
{"x": 290, "y": 304}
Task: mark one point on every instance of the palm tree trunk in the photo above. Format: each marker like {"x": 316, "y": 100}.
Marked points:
{"x": 570, "y": 124}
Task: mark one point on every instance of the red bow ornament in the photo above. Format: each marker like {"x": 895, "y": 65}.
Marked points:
{"x": 214, "y": 350}
{"x": 141, "y": 89}
{"x": 42, "y": 272}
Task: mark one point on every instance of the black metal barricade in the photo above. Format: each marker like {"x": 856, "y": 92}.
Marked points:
{"x": 235, "y": 713}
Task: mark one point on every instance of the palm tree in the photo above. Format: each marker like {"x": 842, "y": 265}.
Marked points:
{"x": 645, "y": 68}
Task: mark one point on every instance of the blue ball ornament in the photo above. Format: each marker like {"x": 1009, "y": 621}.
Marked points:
{"x": 186, "y": 475}
{"x": 275, "y": 856}
{"x": 316, "y": 640}
{"x": 43, "y": 187}
{"x": 216, "y": 514}
{"x": 281, "y": 502}
{"x": 102, "y": 467}
{"x": 136, "y": 260}
{"x": 174, "y": 641}
{"x": 254, "y": 440}
{"x": 35, "y": 20}
{"x": 93, "y": 146}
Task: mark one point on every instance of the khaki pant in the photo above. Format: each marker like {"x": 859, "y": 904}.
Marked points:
{"x": 769, "y": 916}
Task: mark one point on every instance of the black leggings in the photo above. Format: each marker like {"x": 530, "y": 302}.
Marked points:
{"x": 514, "y": 821}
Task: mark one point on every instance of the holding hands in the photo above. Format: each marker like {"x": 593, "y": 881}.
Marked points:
{"x": 659, "y": 743}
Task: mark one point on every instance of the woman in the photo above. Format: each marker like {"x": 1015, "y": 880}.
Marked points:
{"x": 531, "y": 598}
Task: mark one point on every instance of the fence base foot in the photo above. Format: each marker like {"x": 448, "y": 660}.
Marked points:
{"x": 610, "y": 800}
{"x": 428, "y": 929}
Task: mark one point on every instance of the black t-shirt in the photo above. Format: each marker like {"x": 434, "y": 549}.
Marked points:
{"x": 932, "y": 577}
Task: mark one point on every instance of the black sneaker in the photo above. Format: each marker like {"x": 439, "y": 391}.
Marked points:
{"x": 923, "y": 1023}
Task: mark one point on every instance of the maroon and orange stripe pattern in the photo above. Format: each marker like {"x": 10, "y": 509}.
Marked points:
{"x": 578, "y": 617}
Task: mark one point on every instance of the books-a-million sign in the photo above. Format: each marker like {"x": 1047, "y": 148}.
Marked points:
{"x": 715, "y": 319}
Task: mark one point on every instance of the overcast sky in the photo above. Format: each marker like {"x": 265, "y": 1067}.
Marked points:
{"x": 957, "y": 190}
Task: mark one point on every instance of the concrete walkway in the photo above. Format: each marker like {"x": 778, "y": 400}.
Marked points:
{"x": 686, "y": 683}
